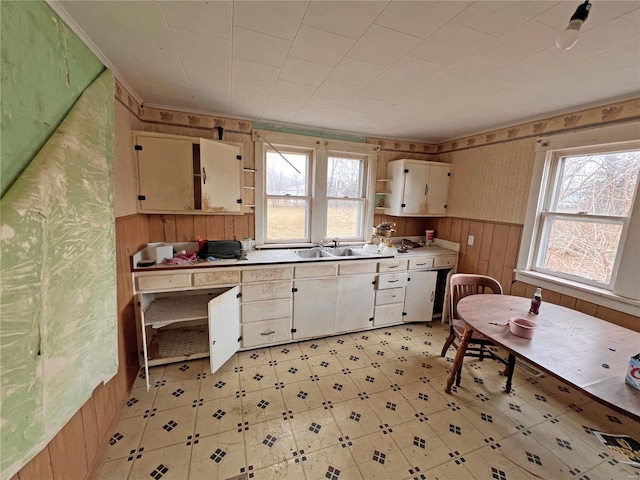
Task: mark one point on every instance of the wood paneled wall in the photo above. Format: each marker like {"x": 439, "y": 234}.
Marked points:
{"x": 495, "y": 253}
{"x": 186, "y": 228}
{"x": 78, "y": 447}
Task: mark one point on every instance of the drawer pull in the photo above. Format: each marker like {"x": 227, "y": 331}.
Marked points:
{"x": 420, "y": 264}
{"x": 267, "y": 333}
{"x": 393, "y": 281}
{"x": 393, "y": 266}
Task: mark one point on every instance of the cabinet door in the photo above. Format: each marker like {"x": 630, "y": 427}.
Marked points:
{"x": 224, "y": 327}
{"x": 419, "y": 296}
{"x": 220, "y": 177}
{"x": 437, "y": 190}
{"x": 354, "y": 306}
{"x": 416, "y": 182}
{"x": 165, "y": 174}
{"x": 314, "y": 307}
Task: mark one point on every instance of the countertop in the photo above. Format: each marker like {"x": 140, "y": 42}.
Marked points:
{"x": 283, "y": 256}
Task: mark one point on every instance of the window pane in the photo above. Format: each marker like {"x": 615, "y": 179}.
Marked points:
{"x": 286, "y": 219}
{"x": 344, "y": 177}
{"x": 344, "y": 218}
{"x": 584, "y": 249}
{"x": 599, "y": 184}
{"x": 282, "y": 177}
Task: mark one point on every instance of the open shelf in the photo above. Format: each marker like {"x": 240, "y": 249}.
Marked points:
{"x": 167, "y": 310}
{"x": 177, "y": 344}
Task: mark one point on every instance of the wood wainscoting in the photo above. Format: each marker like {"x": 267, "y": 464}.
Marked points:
{"x": 76, "y": 450}
{"x": 495, "y": 252}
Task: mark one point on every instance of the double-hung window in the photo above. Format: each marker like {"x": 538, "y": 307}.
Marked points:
{"x": 309, "y": 189}
{"x": 583, "y": 220}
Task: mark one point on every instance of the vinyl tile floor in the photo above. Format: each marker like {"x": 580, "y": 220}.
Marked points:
{"x": 366, "y": 405}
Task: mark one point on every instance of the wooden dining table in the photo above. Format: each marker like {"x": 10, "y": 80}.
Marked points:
{"x": 586, "y": 352}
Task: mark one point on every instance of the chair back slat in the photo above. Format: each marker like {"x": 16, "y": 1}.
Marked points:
{"x": 465, "y": 284}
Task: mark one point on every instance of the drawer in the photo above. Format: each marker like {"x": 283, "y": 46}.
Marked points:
{"x": 266, "y": 291}
{"x": 390, "y": 295}
{"x": 421, "y": 263}
{"x": 322, "y": 270}
{"x": 161, "y": 282}
{"x": 220, "y": 277}
{"x": 266, "y": 274}
{"x": 391, "y": 280}
{"x": 387, "y": 314}
{"x": 256, "y": 311}
{"x": 348, "y": 268}
{"x": 445, "y": 261}
{"x": 269, "y": 331}
{"x": 392, "y": 266}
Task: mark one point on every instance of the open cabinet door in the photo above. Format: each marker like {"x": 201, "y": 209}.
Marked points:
{"x": 224, "y": 327}
{"x": 221, "y": 177}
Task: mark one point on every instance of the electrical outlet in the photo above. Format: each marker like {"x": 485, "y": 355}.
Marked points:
{"x": 470, "y": 240}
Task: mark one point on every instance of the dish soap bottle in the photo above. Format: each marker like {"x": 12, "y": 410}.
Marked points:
{"x": 536, "y": 301}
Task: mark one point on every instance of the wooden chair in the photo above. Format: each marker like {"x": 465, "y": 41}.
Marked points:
{"x": 462, "y": 285}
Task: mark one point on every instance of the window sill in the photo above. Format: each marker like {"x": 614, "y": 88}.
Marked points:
{"x": 598, "y": 296}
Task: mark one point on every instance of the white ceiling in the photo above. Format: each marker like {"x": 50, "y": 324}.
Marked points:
{"x": 420, "y": 70}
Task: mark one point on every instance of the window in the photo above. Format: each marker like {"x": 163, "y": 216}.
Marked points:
{"x": 583, "y": 222}
{"x": 310, "y": 189}
{"x": 586, "y": 209}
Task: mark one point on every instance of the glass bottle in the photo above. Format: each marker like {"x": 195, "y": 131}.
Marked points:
{"x": 536, "y": 301}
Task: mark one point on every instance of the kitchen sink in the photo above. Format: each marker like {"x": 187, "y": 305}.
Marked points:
{"x": 345, "y": 252}
{"x": 330, "y": 252}
{"x": 313, "y": 253}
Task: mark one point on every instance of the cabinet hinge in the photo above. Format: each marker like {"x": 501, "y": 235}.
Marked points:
{"x": 138, "y": 303}
{"x": 406, "y": 170}
{"x": 294, "y": 289}
{"x": 239, "y": 338}
{"x": 239, "y": 295}
{"x": 445, "y": 206}
{"x": 238, "y": 157}
{"x": 373, "y": 283}
{"x": 371, "y": 319}
{"x": 448, "y": 174}
{"x": 294, "y": 330}
{"x": 142, "y": 197}
{"x": 403, "y": 205}
{"x": 138, "y": 147}
{"x": 239, "y": 200}
{"x": 408, "y": 279}
{"x": 404, "y": 314}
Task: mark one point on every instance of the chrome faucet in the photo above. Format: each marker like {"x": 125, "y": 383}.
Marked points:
{"x": 326, "y": 241}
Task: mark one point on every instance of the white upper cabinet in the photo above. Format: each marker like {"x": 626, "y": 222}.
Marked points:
{"x": 416, "y": 188}
{"x": 188, "y": 175}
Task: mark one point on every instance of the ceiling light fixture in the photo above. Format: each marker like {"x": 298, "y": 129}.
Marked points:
{"x": 569, "y": 36}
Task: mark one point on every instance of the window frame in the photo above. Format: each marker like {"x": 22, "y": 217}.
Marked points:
{"x": 623, "y": 291}
{"x": 321, "y": 149}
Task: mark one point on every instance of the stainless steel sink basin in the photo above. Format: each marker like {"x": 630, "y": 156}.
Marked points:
{"x": 312, "y": 253}
{"x": 330, "y": 252}
{"x": 345, "y": 252}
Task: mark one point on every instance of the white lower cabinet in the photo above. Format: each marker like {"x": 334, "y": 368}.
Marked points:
{"x": 354, "y": 304}
{"x": 419, "y": 296}
{"x": 314, "y": 307}
{"x": 256, "y": 334}
{"x": 189, "y": 324}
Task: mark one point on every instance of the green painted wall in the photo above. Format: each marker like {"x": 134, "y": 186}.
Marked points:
{"x": 45, "y": 67}
{"x": 58, "y": 316}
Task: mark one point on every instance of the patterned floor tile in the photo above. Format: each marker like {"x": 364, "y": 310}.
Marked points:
{"x": 218, "y": 456}
{"x": 303, "y": 396}
{"x": 378, "y": 456}
{"x": 325, "y": 364}
{"x": 262, "y": 405}
{"x": 169, "y": 463}
{"x": 353, "y": 358}
{"x": 268, "y": 443}
{"x": 391, "y": 407}
{"x": 219, "y": 415}
{"x": 333, "y": 463}
{"x": 420, "y": 444}
{"x": 190, "y": 370}
{"x": 258, "y": 377}
{"x": 140, "y": 400}
{"x": 290, "y": 371}
{"x": 370, "y": 380}
{"x": 177, "y": 394}
{"x": 219, "y": 385}
{"x": 123, "y": 443}
{"x": 426, "y": 399}
{"x": 341, "y": 342}
{"x": 455, "y": 430}
{"x": 253, "y": 358}
{"x": 289, "y": 470}
{"x": 283, "y": 353}
{"x": 355, "y": 417}
{"x": 311, "y": 348}
{"x": 168, "y": 427}
{"x": 314, "y": 430}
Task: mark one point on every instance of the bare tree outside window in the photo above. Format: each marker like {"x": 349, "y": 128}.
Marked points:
{"x": 584, "y": 223}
